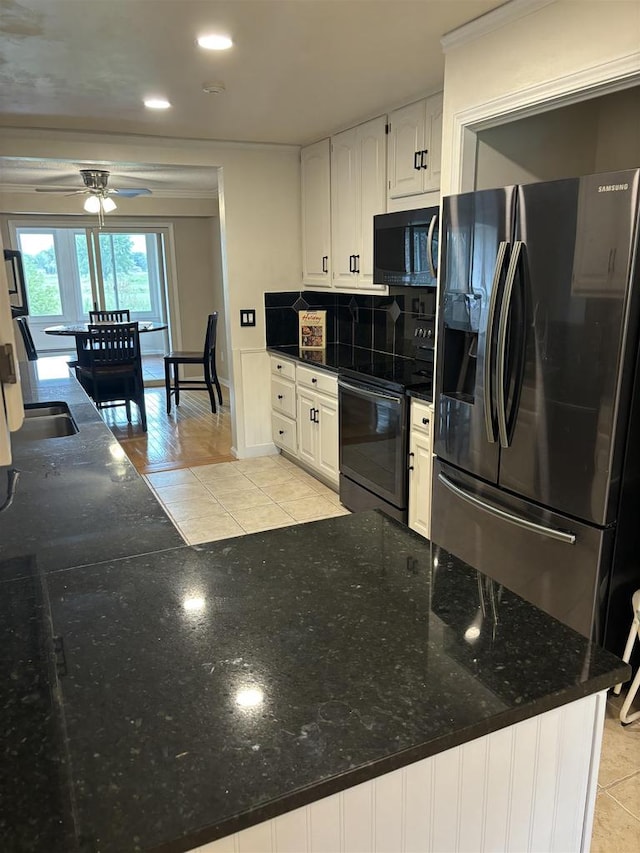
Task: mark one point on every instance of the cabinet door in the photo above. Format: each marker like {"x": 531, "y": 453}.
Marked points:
{"x": 406, "y": 139}
{"x": 433, "y": 143}
{"x": 420, "y": 483}
{"x": 344, "y": 206}
{"x": 327, "y": 449}
{"x": 372, "y": 149}
{"x": 316, "y": 214}
{"x": 307, "y": 428}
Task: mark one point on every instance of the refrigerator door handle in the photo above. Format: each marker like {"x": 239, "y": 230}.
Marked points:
{"x": 488, "y": 408}
{"x": 550, "y": 532}
{"x": 432, "y": 227}
{"x": 501, "y": 404}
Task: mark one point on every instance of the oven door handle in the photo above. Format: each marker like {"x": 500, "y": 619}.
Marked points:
{"x": 369, "y": 392}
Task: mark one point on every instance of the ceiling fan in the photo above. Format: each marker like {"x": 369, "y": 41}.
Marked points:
{"x": 97, "y": 191}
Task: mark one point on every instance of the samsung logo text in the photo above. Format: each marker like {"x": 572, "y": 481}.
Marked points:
{"x": 612, "y": 188}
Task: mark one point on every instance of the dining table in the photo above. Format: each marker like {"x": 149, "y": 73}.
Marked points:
{"x": 80, "y": 331}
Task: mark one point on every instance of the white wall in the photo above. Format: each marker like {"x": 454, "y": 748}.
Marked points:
{"x": 260, "y": 224}
{"x": 547, "y": 54}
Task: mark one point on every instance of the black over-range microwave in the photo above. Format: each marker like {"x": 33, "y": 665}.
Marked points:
{"x": 405, "y": 247}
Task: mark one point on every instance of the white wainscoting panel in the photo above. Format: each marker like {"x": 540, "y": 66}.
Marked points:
{"x": 528, "y": 787}
{"x": 252, "y": 379}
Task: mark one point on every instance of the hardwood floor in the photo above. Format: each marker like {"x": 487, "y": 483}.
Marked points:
{"x": 191, "y": 435}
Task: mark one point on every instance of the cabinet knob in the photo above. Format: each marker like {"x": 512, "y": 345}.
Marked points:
{"x": 280, "y": 432}
{"x": 279, "y": 366}
{"x": 425, "y": 421}
{"x": 314, "y": 380}
{"x": 280, "y": 396}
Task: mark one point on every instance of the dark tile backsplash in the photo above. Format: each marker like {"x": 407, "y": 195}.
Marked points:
{"x": 383, "y": 323}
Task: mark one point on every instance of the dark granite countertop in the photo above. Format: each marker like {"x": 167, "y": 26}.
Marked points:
{"x": 79, "y": 499}
{"x": 162, "y": 700}
{"x": 357, "y": 362}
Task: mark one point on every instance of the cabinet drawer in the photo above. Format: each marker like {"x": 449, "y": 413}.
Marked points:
{"x": 421, "y": 417}
{"x": 283, "y": 367}
{"x": 284, "y": 432}
{"x": 283, "y": 396}
{"x": 318, "y": 380}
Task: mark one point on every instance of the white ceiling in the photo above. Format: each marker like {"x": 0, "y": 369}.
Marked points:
{"x": 299, "y": 69}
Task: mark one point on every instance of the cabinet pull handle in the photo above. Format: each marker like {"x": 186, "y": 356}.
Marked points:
{"x": 409, "y": 466}
{"x": 316, "y": 418}
{"x": 311, "y": 418}
{"x": 423, "y": 159}
{"x": 325, "y": 263}
{"x": 357, "y": 263}
{"x": 280, "y": 396}
{"x": 417, "y": 166}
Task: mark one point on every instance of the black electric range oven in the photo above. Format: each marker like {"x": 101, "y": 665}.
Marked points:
{"x": 374, "y": 418}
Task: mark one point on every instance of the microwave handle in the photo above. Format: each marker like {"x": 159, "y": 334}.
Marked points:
{"x": 432, "y": 228}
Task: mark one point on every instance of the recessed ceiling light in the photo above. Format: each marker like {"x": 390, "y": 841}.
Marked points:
{"x": 215, "y": 42}
{"x": 213, "y": 87}
{"x": 157, "y": 103}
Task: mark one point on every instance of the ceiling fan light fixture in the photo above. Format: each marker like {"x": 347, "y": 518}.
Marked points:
{"x": 92, "y": 204}
{"x": 108, "y": 204}
{"x": 157, "y": 103}
{"x": 215, "y": 41}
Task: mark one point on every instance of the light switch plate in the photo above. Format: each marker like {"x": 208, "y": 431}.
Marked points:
{"x": 247, "y": 316}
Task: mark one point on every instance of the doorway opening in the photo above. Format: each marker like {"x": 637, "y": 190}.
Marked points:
{"x": 70, "y": 271}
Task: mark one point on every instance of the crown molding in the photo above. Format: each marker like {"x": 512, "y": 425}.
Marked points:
{"x": 491, "y": 21}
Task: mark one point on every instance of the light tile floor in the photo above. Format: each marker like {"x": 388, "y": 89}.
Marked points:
{"x": 616, "y": 826}
{"x": 210, "y": 502}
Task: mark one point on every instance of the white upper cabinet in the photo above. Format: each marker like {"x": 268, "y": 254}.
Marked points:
{"x": 316, "y": 214}
{"x": 415, "y": 148}
{"x": 358, "y": 192}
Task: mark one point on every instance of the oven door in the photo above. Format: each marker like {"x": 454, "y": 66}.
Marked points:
{"x": 373, "y": 433}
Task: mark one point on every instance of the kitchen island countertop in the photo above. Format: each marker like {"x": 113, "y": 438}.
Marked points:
{"x": 177, "y": 695}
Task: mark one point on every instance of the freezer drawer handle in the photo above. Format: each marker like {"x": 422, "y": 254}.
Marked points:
{"x": 568, "y": 538}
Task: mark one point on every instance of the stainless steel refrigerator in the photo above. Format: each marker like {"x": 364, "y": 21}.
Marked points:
{"x": 537, "y": 476}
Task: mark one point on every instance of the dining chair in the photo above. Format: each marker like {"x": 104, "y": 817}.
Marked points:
{"x": 110, "y": 369}
{"x": 207, "y": 358}
{"x": 122, "y": 315}
{"x": 29, "y": 346}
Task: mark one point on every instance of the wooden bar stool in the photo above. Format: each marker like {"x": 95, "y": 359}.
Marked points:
{"x": 634, "y": 634}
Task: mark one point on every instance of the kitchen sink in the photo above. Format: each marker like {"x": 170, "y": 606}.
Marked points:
{"x": 47, "y": 420}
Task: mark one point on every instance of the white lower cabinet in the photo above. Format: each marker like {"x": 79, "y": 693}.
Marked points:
{"x": 317, "y": 393}
{"x": 304, "y": 415}
{"x": 318, "y": 432}
{"x": 420, "y": 467}
{"x": 283, "y": 404}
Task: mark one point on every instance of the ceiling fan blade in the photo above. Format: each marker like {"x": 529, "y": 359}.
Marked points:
{"x": 58, "y": 190}
{"x": 132, "y": 193}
